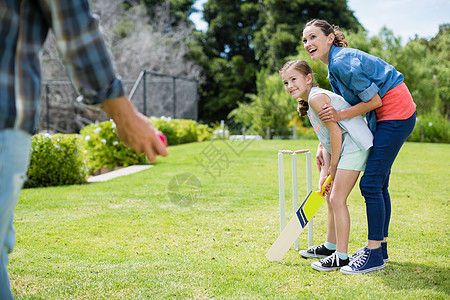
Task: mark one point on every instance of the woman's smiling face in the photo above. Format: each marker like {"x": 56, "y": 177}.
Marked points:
{"x": 316, "y": 43}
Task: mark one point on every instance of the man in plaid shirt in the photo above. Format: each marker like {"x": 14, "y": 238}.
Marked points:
{"x": 24, "y": 25}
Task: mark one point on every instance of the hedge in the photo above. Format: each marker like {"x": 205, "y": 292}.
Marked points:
{"x": 56, "y": 160}
{"x": 64, "y": 159}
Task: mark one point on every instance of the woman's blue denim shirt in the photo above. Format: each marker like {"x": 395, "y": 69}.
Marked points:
{"x": 358, "y": 76}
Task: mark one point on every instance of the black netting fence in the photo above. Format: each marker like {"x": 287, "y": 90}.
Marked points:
{"x": 153, "y": 95}
{"x": 160, "y": 95}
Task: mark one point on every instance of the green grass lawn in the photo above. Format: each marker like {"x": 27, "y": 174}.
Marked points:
{"x": 198, "y": 224}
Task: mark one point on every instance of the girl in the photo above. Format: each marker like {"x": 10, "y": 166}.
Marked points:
{"x": 375, "y": 88}
{"x": 345, "y": 150}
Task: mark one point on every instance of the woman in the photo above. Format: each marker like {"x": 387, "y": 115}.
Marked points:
{"x": 375, "y": 88}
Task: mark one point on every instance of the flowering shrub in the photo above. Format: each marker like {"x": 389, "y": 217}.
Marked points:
{"x": 64, "y": 159}
{"x": 56, "y": 160}
{"x": 182, "y": 131}
{"x": 105, "y": 150}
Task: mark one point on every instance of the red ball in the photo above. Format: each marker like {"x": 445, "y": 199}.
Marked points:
{"x": 163, "y": 138}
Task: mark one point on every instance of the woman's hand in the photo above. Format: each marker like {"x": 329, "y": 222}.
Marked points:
{"x": 328, "y": 113}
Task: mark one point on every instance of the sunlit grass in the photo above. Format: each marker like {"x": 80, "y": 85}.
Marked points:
{"x": 130, "y": 238}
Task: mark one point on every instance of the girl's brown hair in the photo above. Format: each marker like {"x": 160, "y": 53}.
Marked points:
{"x": 327, "y": 28}
{"x": 304, "y": 69}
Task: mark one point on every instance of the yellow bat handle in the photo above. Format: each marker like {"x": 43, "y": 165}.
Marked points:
{"x": 327, "y": 181}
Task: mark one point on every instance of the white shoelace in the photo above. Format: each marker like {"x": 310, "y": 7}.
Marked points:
{"x": 358, "y": 252}
{"x": 314, "y": 249}
{"x": 360, "y": 260}
{"x": 333, "y": 257}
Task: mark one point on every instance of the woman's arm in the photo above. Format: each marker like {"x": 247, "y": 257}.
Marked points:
{"x": 328, "y": 113}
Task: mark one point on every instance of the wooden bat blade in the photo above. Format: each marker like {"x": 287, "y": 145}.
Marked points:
{"x": 285, "y": 240}
{"x": 295, "y": 226}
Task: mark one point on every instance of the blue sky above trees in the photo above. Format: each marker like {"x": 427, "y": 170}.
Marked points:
{"x": 406, "y": 18}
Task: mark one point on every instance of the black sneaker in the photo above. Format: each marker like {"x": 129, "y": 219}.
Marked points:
{"x": 319, "y": 251}
{"x": 332, "y": 262}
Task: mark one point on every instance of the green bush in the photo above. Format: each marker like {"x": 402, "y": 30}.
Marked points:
{"x": 182, "y": 131}
{"x": 64, "y": 159}
{"x": 432, "y": 129}
{"x": 105, "y": 150}
{"x": 56, "y": 160}
{"x": 271, "y": 107}
{"x": 306, "y": 133}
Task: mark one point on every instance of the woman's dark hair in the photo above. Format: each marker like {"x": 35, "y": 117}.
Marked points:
{"x": 327, "y": 28}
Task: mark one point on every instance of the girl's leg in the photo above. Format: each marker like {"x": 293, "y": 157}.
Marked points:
{"x": 331, "y": 229}
{"x": 321, "y": 250}
{"x": 342, "y": 186}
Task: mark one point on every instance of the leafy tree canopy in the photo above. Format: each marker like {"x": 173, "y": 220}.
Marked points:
{"x": 262, "y": 33}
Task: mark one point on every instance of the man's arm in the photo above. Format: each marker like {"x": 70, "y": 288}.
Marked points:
{"x": 91, "y": 69}
{"x": 133, "y": 128}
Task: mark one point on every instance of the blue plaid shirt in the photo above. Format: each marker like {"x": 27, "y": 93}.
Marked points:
{"x": 24, "y": 25}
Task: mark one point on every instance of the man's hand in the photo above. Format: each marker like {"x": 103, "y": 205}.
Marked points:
{"x": 134, "y": 129}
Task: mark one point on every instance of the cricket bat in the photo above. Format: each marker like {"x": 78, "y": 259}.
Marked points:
{"x": 295, "y": 226}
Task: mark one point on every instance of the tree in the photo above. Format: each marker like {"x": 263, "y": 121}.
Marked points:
{"x": 179, "y": 10}
{"x": 284, "y": 21}
{"x": 440, "y": 49}
{"x": 230, "y": 68}
{"x": 231, "y": 28}
{"x": 258, "y": 34}
{"x": 138, "y": 42}
{"x": 270, "y": 108}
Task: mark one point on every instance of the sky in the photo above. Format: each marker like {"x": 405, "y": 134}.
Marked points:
{"x": 406, "y": 18}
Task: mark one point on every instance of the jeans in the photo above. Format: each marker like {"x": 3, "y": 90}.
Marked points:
{"x": 388, "y": 139}
{"x": 15, "y": 148}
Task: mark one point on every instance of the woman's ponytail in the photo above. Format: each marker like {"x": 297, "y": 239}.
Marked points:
{"x": 327, "y": 29}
